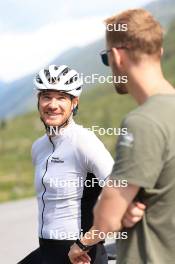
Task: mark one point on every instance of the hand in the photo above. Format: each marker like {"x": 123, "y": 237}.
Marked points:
{"x": 134, "y": 214}
{"x": 78, "y": 256}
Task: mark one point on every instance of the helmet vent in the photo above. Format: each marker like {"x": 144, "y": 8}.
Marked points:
{"x": 75, "y": 78}
{"x": 78, "y": 88}
{"x": 38, "y": 79}
{"x": 65, "y": 71}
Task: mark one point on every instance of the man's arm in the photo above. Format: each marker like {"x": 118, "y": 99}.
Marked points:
{"x": 108, "y": 215}
{"x": 110, "y": 210}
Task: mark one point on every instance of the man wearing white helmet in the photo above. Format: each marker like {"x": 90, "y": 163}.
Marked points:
{"x": 68, "y": 165}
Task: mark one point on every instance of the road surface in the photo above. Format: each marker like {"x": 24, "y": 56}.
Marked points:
{"x": 18, "y": 230}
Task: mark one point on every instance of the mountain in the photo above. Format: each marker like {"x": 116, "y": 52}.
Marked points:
{"x": 99, "y": 106}
{"x": 85, "y": 59}
{"x": 18, "y": 97}
{"x": 163, "y": 10}
{"x": 105, "y": 110}
{"x": 20, "y": 94}
{"x": 3, "y": 87}
{"x": 169, "y": 54}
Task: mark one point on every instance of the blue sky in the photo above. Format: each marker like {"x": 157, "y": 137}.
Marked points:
{"x": 33, "y": 32}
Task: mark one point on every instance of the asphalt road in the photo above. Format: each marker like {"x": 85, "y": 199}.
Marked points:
{"x": 18, "y": 230}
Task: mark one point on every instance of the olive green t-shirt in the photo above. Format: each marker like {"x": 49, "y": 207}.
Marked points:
{"x": 146, "y": 158}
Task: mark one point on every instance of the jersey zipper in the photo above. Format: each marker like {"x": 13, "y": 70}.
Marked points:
{"x": 45, "y": 186}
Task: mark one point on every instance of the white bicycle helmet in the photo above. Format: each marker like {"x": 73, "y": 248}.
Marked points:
{"x": 59, "y": 78}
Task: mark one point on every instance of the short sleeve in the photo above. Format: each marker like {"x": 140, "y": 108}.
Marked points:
{"x": 98, "y": 159}
{"x": 140, "y": 153}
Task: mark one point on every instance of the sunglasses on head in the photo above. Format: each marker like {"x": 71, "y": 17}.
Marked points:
{"x": 104, "y": 54}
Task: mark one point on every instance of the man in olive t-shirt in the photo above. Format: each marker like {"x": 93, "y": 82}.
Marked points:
{"x": 146, "y": 155}
{"x": 146, "y": 158}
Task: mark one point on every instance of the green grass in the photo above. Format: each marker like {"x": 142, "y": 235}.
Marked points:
{"x": 16, "y": 173}
{"x": 99, "y": 106}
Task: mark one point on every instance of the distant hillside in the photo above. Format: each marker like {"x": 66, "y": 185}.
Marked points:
{"x": 20, "y": 94}
{"x": 17, "y": 98}
{"x": 169, "y": 54}
{"x": 100, "y": 107}
{"x": 163, "y": 10}
{"x": 86, "y": 59}
{"x": 3, "y": 88}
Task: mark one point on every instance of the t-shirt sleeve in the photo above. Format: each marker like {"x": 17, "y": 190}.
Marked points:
{"x": 139, "y": 158}
{"x": 98, "y": 159}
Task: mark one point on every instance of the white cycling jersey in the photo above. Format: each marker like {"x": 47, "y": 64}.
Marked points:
{"x": 62, "y": 164}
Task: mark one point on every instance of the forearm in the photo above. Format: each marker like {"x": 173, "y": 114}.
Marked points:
{"x": 94, "y": 236}
{"x": 109, "y": 212}
{"x": 107, "y": 217}
{"x": 105, "y": 221}
{"x": 91, "y": 237}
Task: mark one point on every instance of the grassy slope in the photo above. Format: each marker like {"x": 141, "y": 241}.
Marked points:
{"x": 169, "y": 54}
{"x": 99, "y": 106}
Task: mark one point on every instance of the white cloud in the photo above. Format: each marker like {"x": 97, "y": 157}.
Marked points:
{"x": 22, "y": 53}
{"x": 64, "y": 25}
{"x": 28, "y": 15}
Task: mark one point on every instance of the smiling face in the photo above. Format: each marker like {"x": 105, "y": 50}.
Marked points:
{"x": 55, "y": 107}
